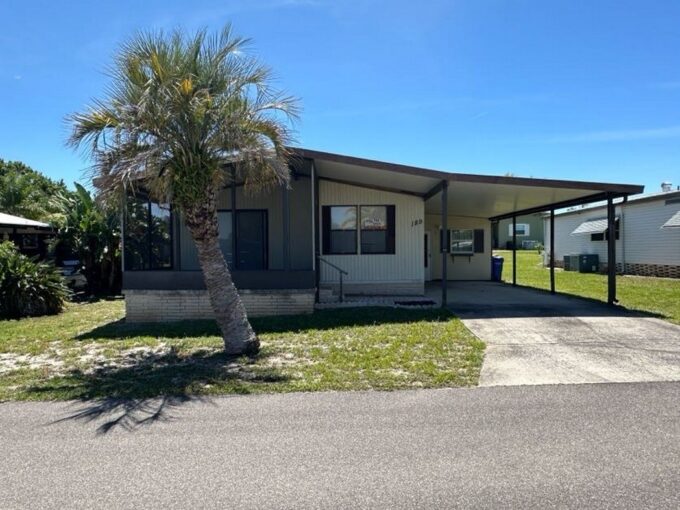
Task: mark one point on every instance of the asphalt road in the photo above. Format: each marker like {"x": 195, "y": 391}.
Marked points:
{"x": 582, "y": 446}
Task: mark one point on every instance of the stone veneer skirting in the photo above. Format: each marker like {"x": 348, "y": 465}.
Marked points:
{"x": 658, "y": 270}
{"x": 175, "y": 305}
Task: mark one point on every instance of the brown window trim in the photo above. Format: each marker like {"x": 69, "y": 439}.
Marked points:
{"x": 391, "y": 217}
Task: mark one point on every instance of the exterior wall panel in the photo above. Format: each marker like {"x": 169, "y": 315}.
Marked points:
{"x": 405, "y": 266}
{"x": 474, "y": 267}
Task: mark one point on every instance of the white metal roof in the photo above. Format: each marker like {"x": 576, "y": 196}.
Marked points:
{"x": 596, "y": 226}
{"x": 18, "y": 221}
{"x": 673, "y": 222}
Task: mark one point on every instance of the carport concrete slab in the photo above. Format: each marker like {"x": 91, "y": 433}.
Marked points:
{"x": 534, "y": 337}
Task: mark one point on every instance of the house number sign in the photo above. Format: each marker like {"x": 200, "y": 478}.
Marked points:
{"x": 415, "y": 223}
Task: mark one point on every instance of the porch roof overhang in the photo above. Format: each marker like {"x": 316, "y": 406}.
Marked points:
{"x": 673, "y": 221}
{"x": 473, "y": 195}
{"x": 595, "y": 226}
{"x": 9, "y": 220}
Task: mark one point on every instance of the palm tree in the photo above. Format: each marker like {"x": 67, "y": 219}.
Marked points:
{"x": 90, "y": 230}
{"x": 183, "y": 114}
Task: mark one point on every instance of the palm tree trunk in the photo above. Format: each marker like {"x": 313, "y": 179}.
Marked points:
{"x": 230, "y": 314}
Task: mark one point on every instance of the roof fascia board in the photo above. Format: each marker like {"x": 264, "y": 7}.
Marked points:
{"x": 557, "y": 205}
{"x": 488, "y": 179}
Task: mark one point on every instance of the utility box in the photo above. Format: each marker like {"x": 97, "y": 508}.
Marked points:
{"x": 571, "y": 262}
{"x": 588, "y": 263}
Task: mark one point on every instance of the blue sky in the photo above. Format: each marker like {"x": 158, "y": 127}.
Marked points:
{"x": 563, "y": 89}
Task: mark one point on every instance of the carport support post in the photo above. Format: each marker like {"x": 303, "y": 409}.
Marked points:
{"x": 445, "y": 240}
{"x": 611, "y": 251}
{"x": 514, "y": 250}
{"x": 552, "y": 251}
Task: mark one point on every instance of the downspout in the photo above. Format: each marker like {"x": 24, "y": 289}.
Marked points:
{"x": 622, "y": 230}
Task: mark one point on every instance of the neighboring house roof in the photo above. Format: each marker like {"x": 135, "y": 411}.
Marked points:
{"x": 673, "y": 222}
{"x": 595, "y": 226}
{"x": 18, "y": 221}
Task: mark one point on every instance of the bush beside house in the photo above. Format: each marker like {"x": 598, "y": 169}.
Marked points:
{"x": 28, "y": 288}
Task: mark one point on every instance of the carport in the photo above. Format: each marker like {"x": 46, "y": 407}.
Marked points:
{"x": 490, "y": 198}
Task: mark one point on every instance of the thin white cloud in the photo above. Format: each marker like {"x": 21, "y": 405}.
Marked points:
{"x": 17, "y": 76}
{"x": 666, "y": 85}
{"x": 618, "y": 135}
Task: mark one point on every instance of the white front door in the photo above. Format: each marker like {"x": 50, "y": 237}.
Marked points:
{"x": 427, "y": 259}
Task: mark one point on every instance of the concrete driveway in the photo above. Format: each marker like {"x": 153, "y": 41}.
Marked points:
{"x": 533, "y": 337}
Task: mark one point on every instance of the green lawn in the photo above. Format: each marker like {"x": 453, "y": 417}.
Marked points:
{"x": 89, "y": 352}
{"x": 660, "y": 296}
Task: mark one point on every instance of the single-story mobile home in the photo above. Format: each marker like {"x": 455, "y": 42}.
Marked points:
{"x": 646, "y": 241}
{"x": 528, "y": 232}
{"x": 30, "y": 236}
{"x": 377, "y": 226}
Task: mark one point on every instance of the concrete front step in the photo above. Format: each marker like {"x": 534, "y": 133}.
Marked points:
{"x": 326, "y": 295}
{"x": 391, "y": 301}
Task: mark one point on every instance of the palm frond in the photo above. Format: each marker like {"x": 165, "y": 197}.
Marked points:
{"x": 181, "y": 107}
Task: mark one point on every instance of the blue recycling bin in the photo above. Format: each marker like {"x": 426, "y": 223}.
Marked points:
{"x": 496, "y": 268}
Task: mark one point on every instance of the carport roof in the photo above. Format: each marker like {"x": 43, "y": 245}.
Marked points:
{"x": 483, "y": 196}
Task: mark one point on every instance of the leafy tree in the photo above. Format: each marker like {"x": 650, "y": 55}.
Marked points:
{"x": 28, "y": 193}
{"x": 181, "y": 113}
{"x": 91, "y": 231}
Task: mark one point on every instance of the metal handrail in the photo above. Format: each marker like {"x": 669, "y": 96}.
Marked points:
{"x": 340, "y": 271}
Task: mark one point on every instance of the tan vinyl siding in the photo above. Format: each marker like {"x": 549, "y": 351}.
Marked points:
{"x": 406, "y": 264}
{"x": 474, "y": 267}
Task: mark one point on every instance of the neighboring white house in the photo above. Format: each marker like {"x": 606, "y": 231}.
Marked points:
{"x": 647, "y": 236}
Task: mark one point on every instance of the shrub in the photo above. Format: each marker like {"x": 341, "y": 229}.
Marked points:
{"x": 28, "y": 288}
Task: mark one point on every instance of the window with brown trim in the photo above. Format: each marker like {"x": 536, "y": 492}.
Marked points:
{"x": 148, "y": 235}
{"x": 377, "y": 229}
{"x": 340, "y": 229}
{"x": 365, "y": 229}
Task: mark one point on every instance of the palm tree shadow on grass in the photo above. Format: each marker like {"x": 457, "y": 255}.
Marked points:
{"x": 151, "y": 387}
{"x": 319, "y": 320}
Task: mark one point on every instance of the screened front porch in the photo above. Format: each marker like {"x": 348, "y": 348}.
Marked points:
{"x": 266, "y": 238}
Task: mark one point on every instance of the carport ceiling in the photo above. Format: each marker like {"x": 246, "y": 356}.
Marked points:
{"x": 472, "y": 195}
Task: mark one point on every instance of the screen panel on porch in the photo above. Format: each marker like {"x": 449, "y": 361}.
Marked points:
{"x": 251, "y": 239}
